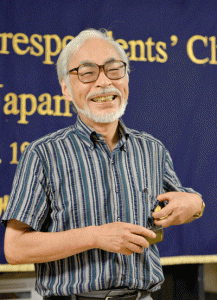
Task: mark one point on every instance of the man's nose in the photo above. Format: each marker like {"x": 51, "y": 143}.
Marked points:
{"x": 102, "y": 79}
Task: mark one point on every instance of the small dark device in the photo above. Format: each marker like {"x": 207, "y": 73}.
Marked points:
{"x": 158, "y": 230}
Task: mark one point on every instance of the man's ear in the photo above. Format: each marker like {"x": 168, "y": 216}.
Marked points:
{"x": 65, "y": 91}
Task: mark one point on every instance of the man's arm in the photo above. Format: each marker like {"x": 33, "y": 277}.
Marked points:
{"x": 23, "y": 245}
{"x": 181, "y": 208}
{"x": 183, "y": 203}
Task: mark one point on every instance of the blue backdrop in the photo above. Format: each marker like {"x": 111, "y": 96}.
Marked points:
{"x": 171, "y": 46}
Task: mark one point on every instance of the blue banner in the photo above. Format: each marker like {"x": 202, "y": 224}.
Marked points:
{"x": 171, "y": 46}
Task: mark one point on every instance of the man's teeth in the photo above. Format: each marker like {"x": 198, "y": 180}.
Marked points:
{"x": 104, "y": 99}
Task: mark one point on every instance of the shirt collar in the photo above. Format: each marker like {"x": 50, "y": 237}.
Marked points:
{"x": 89, "y": 136}
{"x": 82, "y": 130}
{"x": 123, "y": 134}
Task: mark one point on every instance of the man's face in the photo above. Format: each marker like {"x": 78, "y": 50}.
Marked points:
{"x": 86, "y": 96}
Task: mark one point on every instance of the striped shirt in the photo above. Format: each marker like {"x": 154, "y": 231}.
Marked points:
{"x": 70, "y": 179}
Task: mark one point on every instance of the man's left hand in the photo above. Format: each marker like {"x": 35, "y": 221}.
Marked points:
{"x": 180, "y": 208}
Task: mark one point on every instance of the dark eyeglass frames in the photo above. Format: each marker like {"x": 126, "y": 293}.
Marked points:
{"x": 89, "y": 72}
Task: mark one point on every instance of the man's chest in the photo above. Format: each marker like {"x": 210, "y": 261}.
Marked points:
{"x": 95, "y": 188}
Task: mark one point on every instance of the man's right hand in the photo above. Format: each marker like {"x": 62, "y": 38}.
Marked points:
{"x": 41, "y": 247}
{"x": 124, "y": 238}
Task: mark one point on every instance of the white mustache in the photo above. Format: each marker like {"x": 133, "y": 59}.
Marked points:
{"x": 104, "y": 91}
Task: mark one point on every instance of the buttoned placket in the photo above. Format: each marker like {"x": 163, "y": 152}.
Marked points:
{"x": 116, "y": 207}
{"x": 115, "y": 187}
{"x": 117, "y": 214}
{"x": 99, "y": 142}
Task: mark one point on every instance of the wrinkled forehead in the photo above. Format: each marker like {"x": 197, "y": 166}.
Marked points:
{"x": 94, "y": 50}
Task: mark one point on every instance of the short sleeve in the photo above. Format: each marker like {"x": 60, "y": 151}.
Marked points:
{"x": 28, "y": 202}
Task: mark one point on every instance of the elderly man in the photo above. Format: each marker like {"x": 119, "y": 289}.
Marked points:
{"x": 82, "y": 201}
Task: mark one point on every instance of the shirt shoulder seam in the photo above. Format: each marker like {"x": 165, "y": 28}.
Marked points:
{"x": 145, "y": 136}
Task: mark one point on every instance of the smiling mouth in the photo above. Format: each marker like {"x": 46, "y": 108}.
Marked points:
{"x": 104, "y": 99}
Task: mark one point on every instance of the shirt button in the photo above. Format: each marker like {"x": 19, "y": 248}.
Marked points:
{"x": 117, "y": 190}
{"x": 146, "y": 190}
{"x": 118, "y": 219}
{"x": 112, "y": 161}
{"x": 122, "y": 277}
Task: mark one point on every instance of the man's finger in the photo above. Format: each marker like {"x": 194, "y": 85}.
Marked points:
{"x": 140, "y": 241}
{"x": 165, "y": 196}
{"x": 139, "y": 230}
{"x": 135, "y": 248}
{"x": 165, "y": 222}
{"x": 163, "y": 213}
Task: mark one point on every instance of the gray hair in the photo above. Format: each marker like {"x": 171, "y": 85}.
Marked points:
{"x": 71, "y": 48}
{"x": 75, "y": 44}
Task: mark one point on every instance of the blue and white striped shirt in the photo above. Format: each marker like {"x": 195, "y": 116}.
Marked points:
{"x": 71, "y": 179}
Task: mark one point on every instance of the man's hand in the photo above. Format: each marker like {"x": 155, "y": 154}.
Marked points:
{"x": 180, "y": 208}
{"x": 122, "y": 237}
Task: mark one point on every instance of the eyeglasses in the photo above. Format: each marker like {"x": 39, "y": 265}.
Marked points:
{"x": 89, "y": 72}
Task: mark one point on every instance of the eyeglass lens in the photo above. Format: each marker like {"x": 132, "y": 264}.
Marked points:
{"x": 89, "y": 72}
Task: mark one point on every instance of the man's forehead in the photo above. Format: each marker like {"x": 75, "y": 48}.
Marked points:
{"x": 94, "y": 49}
{"x": 90, "y": 62}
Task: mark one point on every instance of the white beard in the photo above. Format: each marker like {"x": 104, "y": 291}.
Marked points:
{"x": 103, "y": 118}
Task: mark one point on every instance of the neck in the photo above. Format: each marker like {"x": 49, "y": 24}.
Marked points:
{"x": 109, "y": 131}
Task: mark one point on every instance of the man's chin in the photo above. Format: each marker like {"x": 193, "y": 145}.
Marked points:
{"x": 109, "y": 117}
{"x": 104, "y": 118}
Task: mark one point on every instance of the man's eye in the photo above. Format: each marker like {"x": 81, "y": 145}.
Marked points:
{"x": 114, "y": 69}
{"x": 86, "y": 73}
